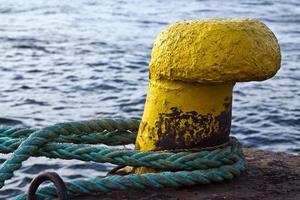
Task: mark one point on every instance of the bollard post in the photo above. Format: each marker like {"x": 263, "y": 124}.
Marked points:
{"x": 194, "y": 67}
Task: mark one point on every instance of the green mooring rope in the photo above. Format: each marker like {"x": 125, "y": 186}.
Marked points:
{"x": 73, "y": 141}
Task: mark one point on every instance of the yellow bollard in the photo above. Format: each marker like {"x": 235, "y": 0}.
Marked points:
{"x": 194, "y": 66}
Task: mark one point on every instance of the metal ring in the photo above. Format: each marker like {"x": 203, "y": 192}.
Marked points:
{"x": 61, "y": 189}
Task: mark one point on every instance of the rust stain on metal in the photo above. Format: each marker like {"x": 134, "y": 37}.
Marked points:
{"x": 180, "y": 130}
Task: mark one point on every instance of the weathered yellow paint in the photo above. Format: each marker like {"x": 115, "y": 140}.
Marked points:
{"x": 215, "y": 50}
{"x": 194, "y": 66}
{"x": 202, "y": 110}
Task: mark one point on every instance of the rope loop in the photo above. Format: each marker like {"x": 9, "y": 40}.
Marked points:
{"x": 79, "y": 140}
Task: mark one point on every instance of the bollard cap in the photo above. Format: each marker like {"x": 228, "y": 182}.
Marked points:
{"x": 215, "y": 50}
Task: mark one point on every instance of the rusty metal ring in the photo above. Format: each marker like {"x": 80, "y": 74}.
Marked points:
{"x": 61, "y": 189}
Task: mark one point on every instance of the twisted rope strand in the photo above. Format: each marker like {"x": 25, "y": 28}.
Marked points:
{"x": 156, "y": 160}
{"x": 15, "y": 132}
{"x": 107, "y": 138}
{"x": 104, "y": 125}
{"x": 42, "y": 136}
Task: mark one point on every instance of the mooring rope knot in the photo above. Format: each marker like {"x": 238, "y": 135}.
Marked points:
{"x": 73, "y": 141}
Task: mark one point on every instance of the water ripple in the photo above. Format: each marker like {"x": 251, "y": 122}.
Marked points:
{"x": 66, "y": 62}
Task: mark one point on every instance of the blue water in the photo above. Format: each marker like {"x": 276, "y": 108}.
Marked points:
{"x": 77, "y": 60}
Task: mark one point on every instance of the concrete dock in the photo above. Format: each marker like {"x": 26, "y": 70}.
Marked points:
{"x": 269, "y": 175}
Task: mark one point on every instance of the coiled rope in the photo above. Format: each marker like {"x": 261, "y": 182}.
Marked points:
{"x": 79, "y": 140}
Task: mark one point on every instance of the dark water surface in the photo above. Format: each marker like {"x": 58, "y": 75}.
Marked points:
{"x": 77, "y": 60}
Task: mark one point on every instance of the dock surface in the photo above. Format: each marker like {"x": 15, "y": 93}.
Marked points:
{"x": 269, "y": 175}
